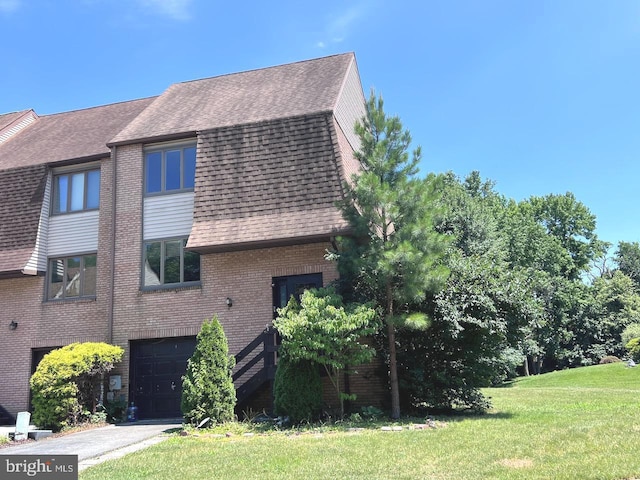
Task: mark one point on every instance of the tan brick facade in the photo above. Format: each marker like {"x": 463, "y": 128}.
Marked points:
{"x": 283, "y": 172}
{"x": 244, "y": 276}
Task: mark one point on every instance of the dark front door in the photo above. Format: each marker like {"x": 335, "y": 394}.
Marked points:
{"x": 292, "y": 286}
{"x": 157, "y": 367}
{"x": 37, "y": 354}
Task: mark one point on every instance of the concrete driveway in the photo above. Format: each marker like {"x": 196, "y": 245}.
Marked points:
{"x": 100, "y": 444}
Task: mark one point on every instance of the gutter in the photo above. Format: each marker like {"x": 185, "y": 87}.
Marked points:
{"x": 112, "y": 246}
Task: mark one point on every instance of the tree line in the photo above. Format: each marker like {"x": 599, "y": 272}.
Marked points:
{"x": 475, "y": 288}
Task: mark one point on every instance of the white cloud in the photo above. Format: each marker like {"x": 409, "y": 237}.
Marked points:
{"x": 7, "y": 6}
{"x": 338, "y": 27}
{"x": 175, "y": 9}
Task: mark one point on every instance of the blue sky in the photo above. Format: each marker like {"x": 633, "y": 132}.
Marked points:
{"x": 541, "y": 96}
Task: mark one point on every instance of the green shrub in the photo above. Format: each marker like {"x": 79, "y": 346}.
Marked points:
{"x": 609, "y": 359}
{"x": 630, "y": 332}
{"x": 297, "y": 390}
{"x": 322, "y": 329}
{"x": 66, "y": 384}
{"x": 207, "y": 387}
{"x": 115, "y": 410}
{"x": 633, "y": 347}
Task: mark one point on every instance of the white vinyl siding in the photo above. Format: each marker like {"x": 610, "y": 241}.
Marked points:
{"x": 38, "y": 260}
{"x": 167, "y": 216}
{"x": 73, "y": 233}
{"x": 25, "y": 121}
{"x": 350, "y": 106}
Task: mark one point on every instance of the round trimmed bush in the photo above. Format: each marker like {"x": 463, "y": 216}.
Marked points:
{"x": 609, "y": 359}
{"x": 66, "y": 383}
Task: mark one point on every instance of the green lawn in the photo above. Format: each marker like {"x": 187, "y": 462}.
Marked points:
{"x": 576, "y": 424}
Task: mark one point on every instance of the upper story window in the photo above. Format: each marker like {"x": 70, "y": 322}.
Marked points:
{"x": 77, "y": 191}
{"x": 72, "y": 277}
{"x": 170, "y": 169}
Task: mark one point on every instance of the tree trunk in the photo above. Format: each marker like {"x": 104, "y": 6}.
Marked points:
{"x": 525, "y": 365}
{"x": 393, "y": 363}
{"x": 393, "y": 372}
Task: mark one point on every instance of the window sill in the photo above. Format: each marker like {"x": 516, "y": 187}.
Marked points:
{"x": 59, "y": 301}
{"x": 170, "y": 288}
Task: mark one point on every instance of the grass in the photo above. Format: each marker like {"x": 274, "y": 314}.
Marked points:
{"x": 582, "y": 423}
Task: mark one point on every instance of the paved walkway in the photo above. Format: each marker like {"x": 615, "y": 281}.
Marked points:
{"x": 100, "y": 444}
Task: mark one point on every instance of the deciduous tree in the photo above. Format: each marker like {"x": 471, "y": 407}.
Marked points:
{"x": 321, "y": 329}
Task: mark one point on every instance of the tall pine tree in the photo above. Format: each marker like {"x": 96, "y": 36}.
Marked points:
{"x": 394, "y": 256}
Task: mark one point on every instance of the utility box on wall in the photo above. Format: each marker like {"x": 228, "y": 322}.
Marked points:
{"x": 115, "y": 382}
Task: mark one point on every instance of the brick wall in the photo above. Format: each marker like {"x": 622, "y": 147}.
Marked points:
{"x": 244, "y": 276}
{"x": 48, "y": 324}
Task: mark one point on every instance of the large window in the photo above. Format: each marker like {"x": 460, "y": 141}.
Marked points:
{"x": 169, "y": 170}
{"x": 75, "y": 192}
{"x": 72, "y": 277}
{"x": 166, "y": 262}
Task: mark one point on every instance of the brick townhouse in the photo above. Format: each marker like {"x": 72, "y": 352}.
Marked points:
{"x": 131, "y": 223}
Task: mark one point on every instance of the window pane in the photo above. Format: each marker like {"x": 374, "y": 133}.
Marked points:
{"x": 172, "y": 261}
{"x": 77, "y": 192}
{"x": 172, "y": 180}
{"x": 191, "y": 266}
{"x": 89, "y": 278}
{"x": 189, "y": 167}
{"x": 56, "y": 277}
{"x": 60, "y": 192}
{"x": 152, "y": 264}
{"x": 72, "y": 288}
{"x": 153, "y": 168}
{"x": 93, "y": 189}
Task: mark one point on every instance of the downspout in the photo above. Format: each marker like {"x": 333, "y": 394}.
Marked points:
{"x": 112, "y": 246}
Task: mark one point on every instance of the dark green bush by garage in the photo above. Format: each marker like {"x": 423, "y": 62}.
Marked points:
{"x": 297, "y": 390}
{"x": 66, "y": 384}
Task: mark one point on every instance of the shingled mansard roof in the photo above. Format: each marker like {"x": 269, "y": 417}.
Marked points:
{"x": 271, "y": 153}
{"x": 273, "y": 182}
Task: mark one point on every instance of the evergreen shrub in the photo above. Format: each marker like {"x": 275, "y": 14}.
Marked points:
{"x": 207, "y": 386}
{"x": 297, "y": 390}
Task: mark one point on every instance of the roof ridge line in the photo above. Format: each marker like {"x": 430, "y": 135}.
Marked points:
{"x": 264, "y": 68}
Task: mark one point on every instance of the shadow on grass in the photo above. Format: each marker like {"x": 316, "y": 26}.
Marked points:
{"x": 507, "y": 384}
{"x": 459, "y": 417}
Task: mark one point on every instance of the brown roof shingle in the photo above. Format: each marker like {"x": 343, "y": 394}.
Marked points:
{"x": 21, "y": 194}
{"x": 258, "y": 95}
{"x": 69, "y": 136}
{"x": 272, "y": 182}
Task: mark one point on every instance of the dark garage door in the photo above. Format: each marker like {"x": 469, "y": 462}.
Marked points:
{"x": 157, "y": 367}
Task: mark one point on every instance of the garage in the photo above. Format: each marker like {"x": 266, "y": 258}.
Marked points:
{"x": 157, "y": 367}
